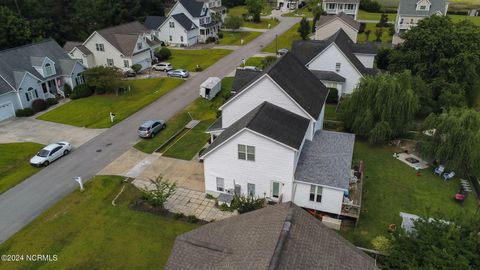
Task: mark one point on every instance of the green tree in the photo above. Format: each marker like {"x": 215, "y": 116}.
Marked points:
{"x": 254, "y": 8}
{"x": 382, "y": 107}
{"x": 233, "y": 22}
{"x": 103, "y": 79}
{"x": 304, "y": 28}
{"x": 14, "y": 30}
{"x": 317, "y": 11}
{"x": 456, "y": 140}
{"x": 383, "y": 58}
{"x": 436, "y": 244}
{"x": 158, "y": 192}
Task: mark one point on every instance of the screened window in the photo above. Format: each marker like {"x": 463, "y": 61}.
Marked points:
{"x": 315, "y": 193}
{"x": 220, "y": 184}
{"x": 246, "y": 152}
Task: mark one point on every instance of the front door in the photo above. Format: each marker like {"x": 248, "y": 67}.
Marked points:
{"x": 276, "y": 190}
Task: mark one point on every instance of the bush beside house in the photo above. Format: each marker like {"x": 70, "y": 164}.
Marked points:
{"x": 81, "y": 91}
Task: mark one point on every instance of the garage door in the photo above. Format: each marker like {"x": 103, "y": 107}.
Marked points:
{"x": 6, "y": 111}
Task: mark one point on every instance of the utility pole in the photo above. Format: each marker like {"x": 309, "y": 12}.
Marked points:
{"x": 276, "y": 44}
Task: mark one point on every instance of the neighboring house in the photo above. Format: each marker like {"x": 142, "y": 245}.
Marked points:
{"x": 35, "y": 71}
{"x": 120, "y": 46}
{"x": 329, "y": 25}
{"x": 349, "y": 7}
{"x": 175, "y": 30}
{"x": 283, "y": 236}
{"x": 337, "y": 61}
{"x": 410, "y": 12}
{"x": 285, "y": 5}
{"x": 216, "y": 8}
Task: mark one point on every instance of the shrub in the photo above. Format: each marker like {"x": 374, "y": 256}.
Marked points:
{"x": 361, "y": 29}
{"x": 198, "y": 68}
{"x": 211, "y": 39}
{"x": 67, "y": 90}
{"x": 370, "y": 5}
{"x": 137, "y": 67}
{"x": 81, "y": 91}
{"x": 381, "y": 243}
{"x": 163, "y": 53}
{"x": 192, "y": 219}
{"x": 39, "y": 105}
{"x": 24, "y": 112}
{"x": 267, "y": 61}
{"x": 332, "y": 96}
{"x": 178, "y": 216}
{"x": 246, "y": 204}
{"x": 158, "y": 192}
{"x": 51, "y": 102}
{"x": 220, "y": 35}
{"x": 233, "y": 22}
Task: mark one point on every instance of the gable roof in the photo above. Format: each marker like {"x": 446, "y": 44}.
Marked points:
{"x": 193, "y": 7}
{"x": 124, "y": 37}
{"x": 153, "y": 22}
{"x": 184, "y": 21}
{"x": 283, "y": 236}
{"x": 297, "y": 81}
{"x": 69, "y": 45}
{"x": 328, "y": 76}
{"x": 306, "y": 50}
{"x": 271, "y": 121}
{"x": 243, "y": 77}
{"x": 342, "y": 16}
{"x": 15, "y": 62}
{"x": 409, "y": 7}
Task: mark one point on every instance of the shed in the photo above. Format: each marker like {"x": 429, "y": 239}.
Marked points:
{"x": 210, "y": 87}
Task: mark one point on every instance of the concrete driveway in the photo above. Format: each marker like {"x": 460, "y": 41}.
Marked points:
{"x": 32, "y": 130}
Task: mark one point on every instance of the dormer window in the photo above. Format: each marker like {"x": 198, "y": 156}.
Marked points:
{"x": 139, "y": 45}
{"x": 423, "y": 7}
{"x": 48, "y": 70}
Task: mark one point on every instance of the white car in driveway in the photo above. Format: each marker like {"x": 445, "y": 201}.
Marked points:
{"x": 163, "y": 66}
{"x": 50, "y": 153}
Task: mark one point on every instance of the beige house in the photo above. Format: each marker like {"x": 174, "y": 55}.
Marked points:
{"x": 327, "y": 26}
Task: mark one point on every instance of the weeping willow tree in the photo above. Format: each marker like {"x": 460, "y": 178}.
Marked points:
{"x": 455, "y": 141}
{"x": 382, "y": 107}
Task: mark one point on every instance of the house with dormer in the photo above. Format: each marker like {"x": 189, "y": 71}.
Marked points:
{"x": 35, "y": 71}
{"x": 410, "y": 12}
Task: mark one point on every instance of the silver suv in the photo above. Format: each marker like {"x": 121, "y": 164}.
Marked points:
{"x": 150, "y": 128}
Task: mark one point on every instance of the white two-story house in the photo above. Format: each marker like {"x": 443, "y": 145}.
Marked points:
{"x": 216, "y": 8}
{"x": 35, "y": 71}
{"x": 349, "y": 7}
{"x": 119, "y": 46}
{"x": 269, "y": 141}
{"x": 410, "y": 12}
{"x": 337, "y": 61}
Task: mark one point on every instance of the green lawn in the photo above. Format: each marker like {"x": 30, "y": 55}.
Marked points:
{"x": 330, "y": 113}
{"x": 14, "y": 163}
{"x": 239, "y": 10}
{"x": 263, "y": 24}
{"x": 234, "y": 38}
{"x": 188, "y": 59}
{"x": 392, "y": 187}
{"x": 365, "y": 15}
{"x": 284, "y": 40}
{"x": 254, "y": 61}
{"x": 86, "y": 232}
{"x": 189, "y": 145}
{"x": 386, "y": 37}
{"x": 454, "y": 4}
{"x": 458, "y": 18}
{"x": 93, "y": 112}
{"x": 301, "y": 12}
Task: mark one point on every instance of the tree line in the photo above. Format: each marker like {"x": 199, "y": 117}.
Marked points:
{"x": 26, "y": 21}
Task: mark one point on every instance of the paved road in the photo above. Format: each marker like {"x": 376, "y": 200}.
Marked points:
{"x": 23, "y": 203}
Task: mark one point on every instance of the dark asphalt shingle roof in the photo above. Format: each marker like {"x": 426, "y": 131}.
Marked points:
{"x": 298, "y": 82}
{"x": 217, "y": 125}
{"x": 409, "y": 7}
{"x": 124, "y": 37}
{"x": 69, "y": 45}
{"x": 283, "y": 236}
{"x": 327, "y": 159}
{"x": 153, "y": 22}
{"x": 243, "y": 77}
{"x": 184, "y": 21}
{"x": 16, "y": 61}
{"x": 271, "y": 121}
{"x": 328, "y": 76}
{"x": 193, "y": 7}
{"x": 344, "y": 17}
{"x": 306, "y": 50}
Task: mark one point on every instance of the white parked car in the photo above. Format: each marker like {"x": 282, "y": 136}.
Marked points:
{"x": 163, "y": 66}
{"x": 50, "y": 153}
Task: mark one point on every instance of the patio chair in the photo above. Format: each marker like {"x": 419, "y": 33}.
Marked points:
{"x": 439, "y": 170}
{"x": 448, "y": 176}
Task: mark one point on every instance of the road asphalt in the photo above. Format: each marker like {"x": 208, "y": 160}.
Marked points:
{"x": 21, "y": 204}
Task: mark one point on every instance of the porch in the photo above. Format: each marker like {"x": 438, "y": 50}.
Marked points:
{"x": 53, "y": 88}
{"x": 352, "y": 202}
{"x": 208, "y": 30}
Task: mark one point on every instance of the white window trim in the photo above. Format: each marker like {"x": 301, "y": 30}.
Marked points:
{"x": 317, "y": 191}
{"x": 247, "y": 153}
{"x": 220, "y": 188}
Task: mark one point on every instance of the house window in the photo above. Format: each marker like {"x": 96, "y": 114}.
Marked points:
{"x": 139, "y": 46}
{"x": 220, "y": 184}
{"x": 331, "y": 6}
{"x": 100, "y": 47}
{"x": 31, "y": 94}
{"x": 340, "y": 6}
{"x": 246, "y": 152}
{"x": 350, "y": 6}
{"x": 110, "y": 62}
{"x": 78, "y": 80}
{"x": 315, "y": 193}
{"x": 171, "y": 24}
{"x": 48, "y": 70}
{"x": 80, "y": 60}
{"x": 251, "y": 189}
{"x": 202, "y": 21}
{"x": 411, "y": 20}
{"x": 207, "y": 19}
{"x": 423, "y": 7}
{"x": 337, "y": 67}
{"x": 401, "y": 21}
{"x": 126, "y": 63}
{"x": 275, "y": 189}
{"x": 181, "y": 38}
{"x": 170, "y": 38}
{"x": 202, "y": 31}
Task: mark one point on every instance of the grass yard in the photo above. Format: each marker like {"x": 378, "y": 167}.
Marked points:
{"x": 254, "y": 61}
{"x": 263, "y": 24}
{"x": 188, "y": 59}
{"x": 190, "y": 144}
{"x": 86, "y": 232}
{"x": 330, "y": 113}
{"x": 365, "y": 15}
{"x": 459, "y": 18}
{"x": 301, "y": 12}
{"x": 454, "y": 4}
{"x": 284, "y": 40}
{"x": 93, "y": 111}
{"x": 267, "y": 10}
{"x": 14, "y": 163}
{"x": 392, "y": 187}
{"x": 386, "y": 37}
{"x": 234, "y": 38}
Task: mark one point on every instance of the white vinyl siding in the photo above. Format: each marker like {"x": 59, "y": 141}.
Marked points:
{"x": 331, "y": 199}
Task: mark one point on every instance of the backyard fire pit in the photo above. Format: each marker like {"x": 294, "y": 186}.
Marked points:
{"x": 412, "y": 160}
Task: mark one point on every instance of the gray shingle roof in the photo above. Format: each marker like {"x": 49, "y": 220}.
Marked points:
{"x": 69, "y": 45}
{"x": 299, "y": 83}
{"x": 193, "y": 7}
{"x": 16, "y": 61}
{"x": 184, "y": 21}
{"x": 327, "y": 159}
{"x": 271, "y": 121}
{"x": 217, "y": 125}
{"x": 283, "y": 236}
{"x": 306, "y": 50}
{"x": 409, "y": 7}
{"x": 242, "y": 78}
{"x": 153, "y": 22}
{"x": 328, "y": 76}
{"x": 124, "y": 37}
{"x": 346, "y": 18}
